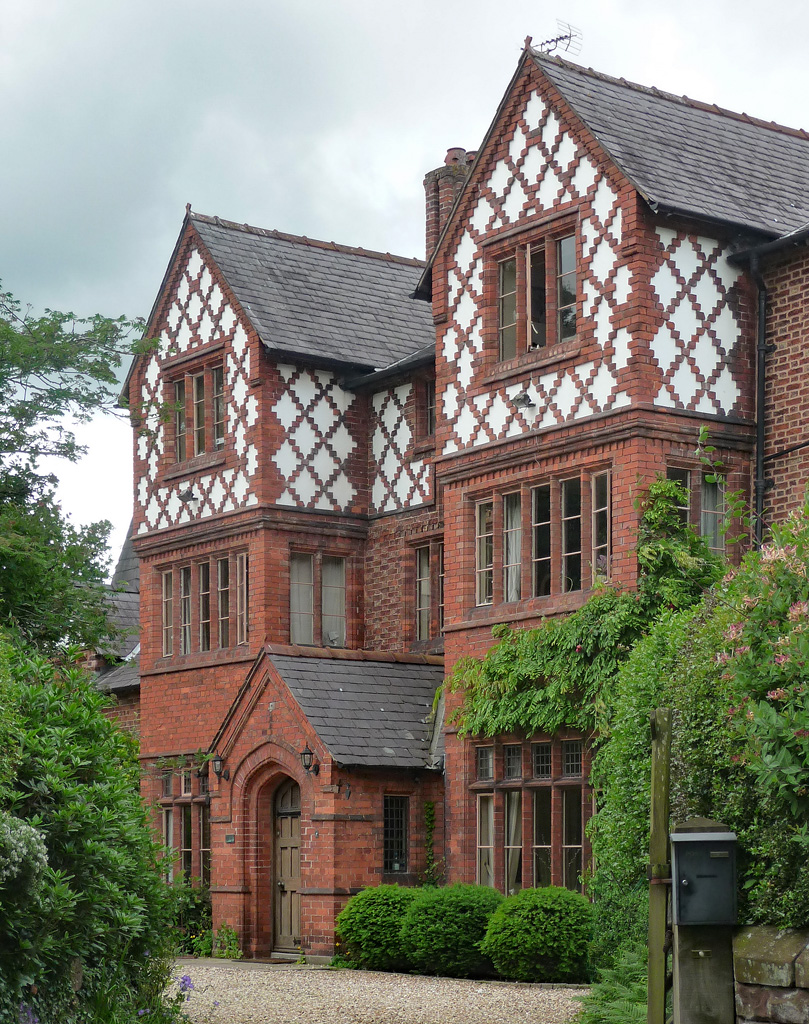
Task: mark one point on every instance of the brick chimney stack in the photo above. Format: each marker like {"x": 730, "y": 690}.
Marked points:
{"x": 441, "y": 188}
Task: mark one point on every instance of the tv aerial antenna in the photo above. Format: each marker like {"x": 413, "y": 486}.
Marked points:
{"x": 567, "y": 41}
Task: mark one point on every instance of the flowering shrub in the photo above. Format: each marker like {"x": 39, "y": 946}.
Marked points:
{"x": 734, "y": 672}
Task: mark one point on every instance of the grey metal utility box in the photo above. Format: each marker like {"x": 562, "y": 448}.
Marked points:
{"x": 703, "y": 874}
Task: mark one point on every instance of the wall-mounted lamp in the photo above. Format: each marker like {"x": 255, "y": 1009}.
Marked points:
{"x": 187, "y": 496}
{"x": 524, "y": 401}
{"x": 309, "y": 762}
{"x": 219, "y": 772}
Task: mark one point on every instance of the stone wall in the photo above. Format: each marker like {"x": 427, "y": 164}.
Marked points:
{"x": 771, "y": 968}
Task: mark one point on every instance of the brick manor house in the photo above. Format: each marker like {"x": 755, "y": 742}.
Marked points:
{"x": 349, "y": 466}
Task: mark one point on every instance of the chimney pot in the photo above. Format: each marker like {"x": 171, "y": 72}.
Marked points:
{"x": 456, "y": 155}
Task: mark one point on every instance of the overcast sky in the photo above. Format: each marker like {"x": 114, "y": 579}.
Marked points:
{"x": 317, "y": 117}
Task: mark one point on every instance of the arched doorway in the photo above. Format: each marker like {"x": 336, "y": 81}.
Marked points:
{"x": 287, "y": 867}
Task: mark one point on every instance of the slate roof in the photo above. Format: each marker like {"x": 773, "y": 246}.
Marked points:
{"x": 367, "y": 712}
{"x": 122, "y": 679}
{"x": 692, "y": 157}
{"x": 127, "y": 571}
{"x": 326, "y": 302}
{"x": 125, "y": 597}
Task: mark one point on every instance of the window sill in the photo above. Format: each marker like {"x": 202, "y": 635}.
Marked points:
{"x": 536, "y": 359}
{"x": 208, "y": 460}
{"x": 515, "y": 611}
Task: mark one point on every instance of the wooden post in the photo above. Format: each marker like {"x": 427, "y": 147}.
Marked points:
{"x": 659, "y": 868}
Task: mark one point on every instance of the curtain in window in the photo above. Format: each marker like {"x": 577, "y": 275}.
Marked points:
{"x": 513, "y": 842}
{"x": 334, "y": 602}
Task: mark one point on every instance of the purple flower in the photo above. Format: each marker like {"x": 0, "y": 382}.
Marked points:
{"x": 186, "y": 984}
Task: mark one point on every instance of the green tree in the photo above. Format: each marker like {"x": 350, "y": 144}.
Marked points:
{"x": 55, "y": 370}
{"x": 84, "y": 913}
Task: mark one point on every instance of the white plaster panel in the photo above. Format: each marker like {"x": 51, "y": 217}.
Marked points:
{"x": 686, "y": 259}
{"x": 622, "y": 286}
{"x": 548, "y": 188}
{"x": 603, "y": 200}
{"x": 465, "y": 252}
{"x": 498, "y": 415}
{"x": 517, "y": 145}
{"x": 686, "y": 319}
{"x": 515, "y": 200}
{"x": 707, "y": 294}
{"x": 621, "y": 343}
{"x": 550, "y": 130}
{"x": 566, "y": 152}
{"x": 705, "y": 355}
{"x": 534, "y": 110}
{"x": 533, "y": 164}
{"x": 584, "y": 176}
{"x": 726, "y": 390}
{"x": 482, "y": 215}
{"x": 603, "y": 260}
{"x": 666, "y": 285}
{"x": 499, "y": 177}
{"x": 465, "y": 311}
{"x": 685, "y": 384}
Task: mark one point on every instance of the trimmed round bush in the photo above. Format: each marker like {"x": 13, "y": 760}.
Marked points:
{"x": 443, "y": 928}
{"x": 540, "y": 935}
{"x": 368, "y": 928}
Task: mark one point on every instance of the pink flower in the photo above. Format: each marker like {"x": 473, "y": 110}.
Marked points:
{"x": 749, "y": 602}
{"x": 778, "y": 694}
{"x": 798, "y": 611}
{"x": 744, "y": 649}
{"x": 802, "y": 733}
{"x": 579, "y": 648}
{"x": 781, "y": 659}
{"x": 734, "y": 631}
{"x": 722, "y": 658}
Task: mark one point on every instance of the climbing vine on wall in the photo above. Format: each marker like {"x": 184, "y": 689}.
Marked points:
{"x": 563, "y": 672}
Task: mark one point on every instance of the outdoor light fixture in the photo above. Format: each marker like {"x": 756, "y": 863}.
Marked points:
{"x": 187, "y": 495}
{"x": 216, "y": 764}
{"x": 308, "y": 761}
{"x": 524, "y": 401}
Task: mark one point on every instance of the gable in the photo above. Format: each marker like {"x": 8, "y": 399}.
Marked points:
{"x": 198, "y": 322}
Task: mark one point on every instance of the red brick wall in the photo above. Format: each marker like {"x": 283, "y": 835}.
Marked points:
{"x": 126, "y": 712}
{"x": 787, "y": 392}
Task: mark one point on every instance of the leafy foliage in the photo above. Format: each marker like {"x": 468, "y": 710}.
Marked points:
{"x": 98, "y": 920}
{"x": 443, "y": 928}
{"x": 226, "y": 943}
{"x": 540, "y": 935}
{"x": 192, "y": 917}
{"x": 563, "y": 673}
{"x": 733, "y": 671}
{"x": 619, "y": 997}
{"x": 52, "y": 575}
{"x": 54, "y": 368}
{"x": 369, "y": 927}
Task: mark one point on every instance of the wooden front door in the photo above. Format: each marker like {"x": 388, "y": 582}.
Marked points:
{"x": 287, "y": 880}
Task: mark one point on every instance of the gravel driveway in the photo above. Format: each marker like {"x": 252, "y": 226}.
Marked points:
{"x": 249, "y": 993}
